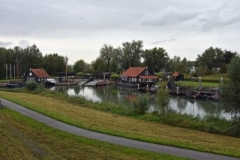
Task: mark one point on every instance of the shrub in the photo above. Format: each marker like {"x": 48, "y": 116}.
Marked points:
{"x": 141, "y": 105}
{"x": 32, "y": 86}
{"x": 114, "y": 76}
{"x": 163, "y": 99}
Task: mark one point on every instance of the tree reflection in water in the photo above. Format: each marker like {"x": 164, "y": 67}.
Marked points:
{"x": 126, "y": 96}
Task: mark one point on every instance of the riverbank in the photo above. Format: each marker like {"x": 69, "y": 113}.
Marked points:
{"x": 114, "y": 124}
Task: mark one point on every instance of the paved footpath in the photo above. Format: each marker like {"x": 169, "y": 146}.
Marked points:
{"x": 113, "y": 139}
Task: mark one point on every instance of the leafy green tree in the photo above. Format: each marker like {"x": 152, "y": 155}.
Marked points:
{"x": 173, "y": 64}
{"x": 79, "y": 66}
{"x": 116, "y": 66}
{"x": 131, "y": 54}
{"x": 182, "y": 67}
{"x": 226, "y": 59}
{"x": 212, "y": 58}
{"x": 32, "y": 58}
{"x": 156, "y": 58}
{"x": 7, "y": 58}
{"x": 107, "y": 54}
{"x": 228, "y": 55}
{"x": 53, "y": 63}
{"x": 2, "y": 63}
{"x": 98, "y": 65}
{"x": 232, "y": 91}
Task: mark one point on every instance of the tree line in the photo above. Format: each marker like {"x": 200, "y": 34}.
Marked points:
{"x": 114, "y": 60}
{"x": 19, "y": 60}
{"x": 157, "y": 59}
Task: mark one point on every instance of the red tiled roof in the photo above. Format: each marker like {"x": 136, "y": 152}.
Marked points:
{"x": 133, "y": 71}
{"x": 175, "y": 74}
{"x": 40, "y": 73}
{"x": 146, "y": 77}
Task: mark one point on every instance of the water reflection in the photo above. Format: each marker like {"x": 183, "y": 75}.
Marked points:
{"x": 120, "y": 95}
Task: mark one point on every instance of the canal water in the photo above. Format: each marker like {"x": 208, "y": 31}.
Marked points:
{"x": 126, "y": 96}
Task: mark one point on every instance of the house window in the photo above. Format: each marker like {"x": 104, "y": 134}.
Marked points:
{"x": 30, "y": 79}
{"x": 146, "y": 72}
{"x": 30, "y": 73}
{"x": 134, "y": 79}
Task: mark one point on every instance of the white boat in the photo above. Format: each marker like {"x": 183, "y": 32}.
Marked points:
{"x": 50, "y": 81}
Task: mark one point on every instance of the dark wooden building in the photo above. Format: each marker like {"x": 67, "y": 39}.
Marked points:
{"x": 37, "y": 75}
{"x": 134, "y": 76}
{"x": 178, "y": 77}
{"x": 101, "y": 75}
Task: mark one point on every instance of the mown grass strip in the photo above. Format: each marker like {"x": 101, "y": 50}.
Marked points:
{"x": 126, "y": 127}
{"x": 24, "y": 138}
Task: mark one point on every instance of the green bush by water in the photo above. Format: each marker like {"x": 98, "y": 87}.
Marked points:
{"x": 140, "y": 106}
{"x": 34, "y": 86}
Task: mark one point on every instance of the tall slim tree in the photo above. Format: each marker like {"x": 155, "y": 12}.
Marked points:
{"x": 106, "y": 54}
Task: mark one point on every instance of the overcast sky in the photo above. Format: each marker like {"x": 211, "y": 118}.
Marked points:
{"x": 79, "y": 28}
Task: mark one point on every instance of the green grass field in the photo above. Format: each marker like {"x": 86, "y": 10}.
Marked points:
{"x": 126, "y": 127}
{"x": 25, "y": 139}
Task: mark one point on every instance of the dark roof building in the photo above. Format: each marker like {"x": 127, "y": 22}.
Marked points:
{"x": 38, "y": 75}
{"x": 178, "y": 77}
{"x": 133, "y": 71}
{"x": 138, "y": 75}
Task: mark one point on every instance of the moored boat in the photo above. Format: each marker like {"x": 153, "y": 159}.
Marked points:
{"x": 195, "y": 95}
{"x": 50, "y": 81}
{"x": 103, "y": 83}
{"x": 14, "y": 84}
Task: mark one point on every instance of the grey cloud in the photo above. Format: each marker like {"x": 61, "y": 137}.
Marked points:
{"x": 220, "y": 16}
{"x": 157, "y": 42}
{"x": 23, "y": 43}
{"x": 163, "y": 41}
{"x": 167, "y": 16}
{"x": 64, "y": 19}
{"x": 5, "y": 44}
{"x": 170, "y": 40}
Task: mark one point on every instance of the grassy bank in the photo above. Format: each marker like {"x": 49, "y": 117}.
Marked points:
{"x": 24, "y": 138}
{"x": 195, "y": 84}
{"x": 81, "y": 113}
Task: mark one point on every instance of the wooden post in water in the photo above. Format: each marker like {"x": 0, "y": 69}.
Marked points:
{"x": 66, "y": 62}
{"x": 199, "y": 85}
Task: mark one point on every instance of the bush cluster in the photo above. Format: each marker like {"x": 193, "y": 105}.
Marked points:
{"x": 141, "y": 105}
{"x": 33, "y": 86}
